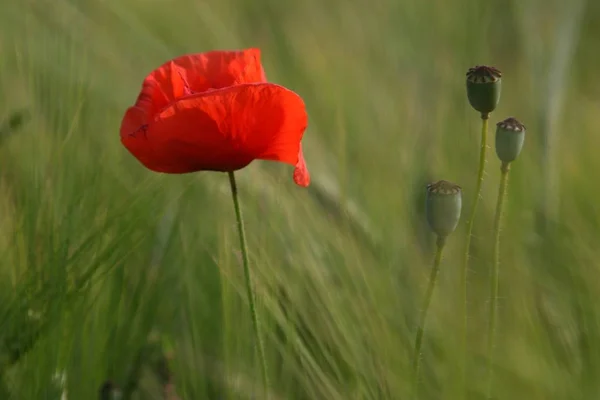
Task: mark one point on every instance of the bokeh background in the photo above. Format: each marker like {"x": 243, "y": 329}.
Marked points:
{"x": 112, "y": 273}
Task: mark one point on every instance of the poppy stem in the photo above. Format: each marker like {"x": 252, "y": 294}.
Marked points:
{"x": 465, "y": 269}
{"x": 495, "y": 273}
{"x": 441, "y": 241}
{"x": 248, "y": 278}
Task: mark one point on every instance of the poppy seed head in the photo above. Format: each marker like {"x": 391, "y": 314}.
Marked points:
{"x": 483, "y": 89}
{"x": 443, "y": 187}
{"x": 443, "y": 207}
{"x": 511, "y": 124}
{"x": 483, "y": 74}
{"x": 510, "y": 136}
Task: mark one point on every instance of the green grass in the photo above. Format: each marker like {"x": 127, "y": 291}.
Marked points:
{"x": 106, "y": 268}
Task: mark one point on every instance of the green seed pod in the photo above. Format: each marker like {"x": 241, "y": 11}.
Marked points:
{"x": 483, "y": 88}
{"x": 510, "y": 135}
{"x": 444, "y": 204}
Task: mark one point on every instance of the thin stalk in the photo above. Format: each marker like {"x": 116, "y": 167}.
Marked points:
{"x": 249, "y": 288}
{"x": 495, "y": 273}
{"x": 441, "y": 241}
{"x": 465, "y": 268}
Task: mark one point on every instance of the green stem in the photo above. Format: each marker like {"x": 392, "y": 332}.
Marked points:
{"x": 495, "y": 273}
{"x": 465, "y": 269}
{"x": 249, "y": 289}
{"x": 441, "y": 241}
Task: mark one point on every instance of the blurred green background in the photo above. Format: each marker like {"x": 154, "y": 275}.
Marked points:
{"x": 111, "y": 272}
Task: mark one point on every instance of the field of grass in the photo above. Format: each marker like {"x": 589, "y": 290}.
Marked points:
{"x": 110, "y": 272}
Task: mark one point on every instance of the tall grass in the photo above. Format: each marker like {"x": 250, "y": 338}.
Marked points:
{"x": 102, "y": 263}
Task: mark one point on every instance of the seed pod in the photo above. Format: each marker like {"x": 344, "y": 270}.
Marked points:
{"x": 510, "y": 135}
{"x": 483, "y": 88}
{"x": 444, "y": 204}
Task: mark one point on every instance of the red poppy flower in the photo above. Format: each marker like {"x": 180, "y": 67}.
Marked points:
{"x": 215, "y": 112}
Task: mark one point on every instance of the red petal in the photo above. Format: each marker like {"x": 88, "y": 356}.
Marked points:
{"x": 222, "y": 130}
{"x": 301, "y": 175}
{"x": 195, "y": 73}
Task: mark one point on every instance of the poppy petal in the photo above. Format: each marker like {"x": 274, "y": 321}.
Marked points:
{"x": 221, "y": 130}
{"x": 301, "y": 174}
{"x": 195, "y": 73}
